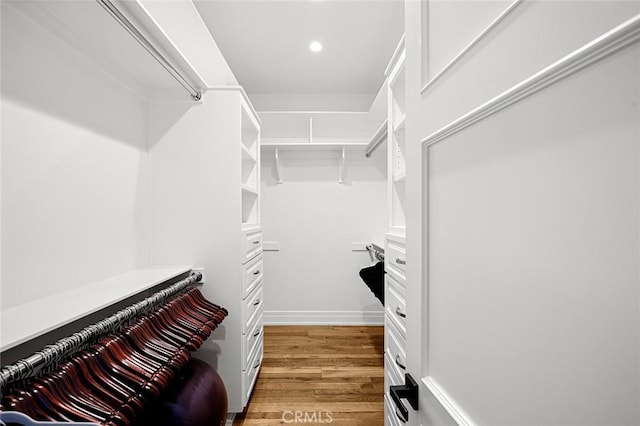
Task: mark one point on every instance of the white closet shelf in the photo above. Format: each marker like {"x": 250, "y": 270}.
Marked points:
{"x": 250, "y": 190}
{"x": 400, "y": 177}
{"x": 22, "y": 323}
{"x": 315, "y": 146}
{"x": 246, "y": 154}
{"x": 399, "y": 124}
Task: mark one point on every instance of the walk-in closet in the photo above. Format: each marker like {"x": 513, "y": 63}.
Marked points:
{"x": 351, "y": 212}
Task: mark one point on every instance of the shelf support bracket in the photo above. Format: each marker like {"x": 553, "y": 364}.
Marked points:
{"x": 342, "y": 166}
{"x": 278, "y": 167}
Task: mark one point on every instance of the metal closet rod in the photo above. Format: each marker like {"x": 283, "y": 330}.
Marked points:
{"x": 377, "y": 251}
{"x": 377, "y": 139}
{"x": 67, "y": 346}
{"x": 196, "y": 95}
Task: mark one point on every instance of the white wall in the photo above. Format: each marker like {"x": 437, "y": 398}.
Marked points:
{"x": 314, "y": 277}
{"x": 311, "y": 102}
{"x": 531, "y": 297}
{"x": 74, "y": 168}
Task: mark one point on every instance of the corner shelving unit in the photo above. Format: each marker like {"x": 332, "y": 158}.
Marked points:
{"x": 396, "y": 146}
{"x": 250, "y": 153}
{"x": 211, "y": 155}
{"x": 395, "y": 279}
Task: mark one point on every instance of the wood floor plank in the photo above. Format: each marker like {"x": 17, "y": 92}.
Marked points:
{"x": 319, "y": 374}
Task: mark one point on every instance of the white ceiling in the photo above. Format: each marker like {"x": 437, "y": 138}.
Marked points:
{"x": 266, "y": 43}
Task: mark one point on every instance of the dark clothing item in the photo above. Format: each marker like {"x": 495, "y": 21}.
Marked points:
{"x": 373, "y": 277}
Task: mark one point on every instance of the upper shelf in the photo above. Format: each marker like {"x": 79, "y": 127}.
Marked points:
{"x": 31, "y": 320}
{"x": 324, "y": 146}
{"x": 314, "y": 126}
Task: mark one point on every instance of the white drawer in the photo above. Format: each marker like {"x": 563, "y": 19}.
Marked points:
{"x": 250, "y": 374}
{"x": 252, "y": 275}
{"x": 394, "y": 342}
{"x": 250, "y": 340}
{"x": 394, "y": 348}
{"x": 251, "y": 308}
{"x": 391, "y": 377}
{"x": 395, "y": 258}
{"x": 251, "y": 243}
{"x": 395, "y": 304}
{"x": 391, "y": 418}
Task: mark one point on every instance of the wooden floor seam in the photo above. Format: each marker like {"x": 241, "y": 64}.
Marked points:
{"x": 319, "y": 374}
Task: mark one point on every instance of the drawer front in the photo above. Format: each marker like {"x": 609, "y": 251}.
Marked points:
{"x": 252, "y": 244}
{"x": 252, "y": 275}
{"x": 250, "y": 340}
{"x": 251, "y": 308}
{"x": 250, "y": 374}
{"x": 391, "y": 418}
{"x": 391, "y": 377}
{"x": 394, "y": 348}
{"x": 396, "y": 259}
{"x": 396, "y": 305}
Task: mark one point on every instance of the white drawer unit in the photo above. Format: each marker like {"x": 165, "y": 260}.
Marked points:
{"x": 394, "y": 348}
{"x": 251, "y": 308}
{"x": 252, "y": 243}
{"x": 395, "y": 305}
{"x": 396, "y": 258}
{"x": 251, "y": 339}
{"x": 250, "y": 373}
{"x": 252, "y": 275}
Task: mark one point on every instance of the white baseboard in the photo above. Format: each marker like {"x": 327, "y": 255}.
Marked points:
{"x": 323, "y": 317}
{"x": 230, "y": 418}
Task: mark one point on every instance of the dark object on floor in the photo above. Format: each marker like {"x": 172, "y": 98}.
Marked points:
{"x": 373, "y": 277}
{"x": 198, "y": 398}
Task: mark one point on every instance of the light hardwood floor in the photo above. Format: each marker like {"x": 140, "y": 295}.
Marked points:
{"x": 321, "y": 374}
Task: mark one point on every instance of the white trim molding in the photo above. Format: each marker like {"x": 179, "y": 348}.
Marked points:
{"x": 455, "y": 412}
{"x": 424, "y": 44}
{"x": 620, "y": 37}
{"x": 244, "y": 95}
{"x": 323, "y": 317}
{"x": 466, "y": 49}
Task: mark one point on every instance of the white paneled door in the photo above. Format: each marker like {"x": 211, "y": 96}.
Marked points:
{"x": 522, "y": 217}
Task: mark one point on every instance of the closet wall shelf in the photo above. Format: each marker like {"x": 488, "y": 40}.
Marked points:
{"x": 340, "y": 150}
{"x": 315, "y": 146}
{"x": 31, "y": 320}
{"x": 400, "y": 177}
{"x": 246, "y": 154}
{"x": 249, "y": 190}
{"x": 399, "y": 124}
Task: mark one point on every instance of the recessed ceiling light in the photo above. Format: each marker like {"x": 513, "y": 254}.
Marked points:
{"x": 315, "y": 46}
